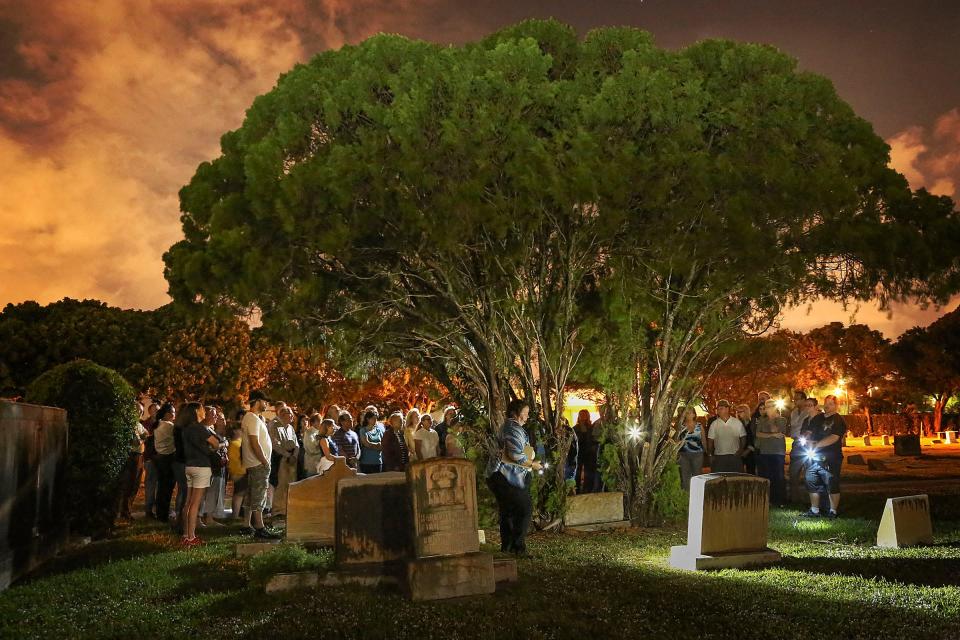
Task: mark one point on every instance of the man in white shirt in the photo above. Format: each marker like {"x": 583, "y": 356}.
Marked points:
{"x": 255, "y": 450}
{"x": 726, "y": 441}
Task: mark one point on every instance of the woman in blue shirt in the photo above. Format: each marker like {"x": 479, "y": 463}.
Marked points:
{"x": 509, "y": 479}
{"x": 371, "y": 436}
{"x": 691, "y": 451}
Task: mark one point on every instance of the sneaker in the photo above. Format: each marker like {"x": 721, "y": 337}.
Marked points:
{"x": 831, "y": 515}
{"x": 265, "y": 534}
{"x": 810, "y": 514}
{"x": 246, "y": 531}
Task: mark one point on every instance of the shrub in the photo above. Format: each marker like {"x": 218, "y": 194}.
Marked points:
{"x": 670, "y": 501}
{"x": 286, "y": 558}
{"x": 101, "y": 411}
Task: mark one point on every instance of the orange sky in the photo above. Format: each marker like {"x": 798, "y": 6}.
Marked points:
{"x": 107, "y": 107}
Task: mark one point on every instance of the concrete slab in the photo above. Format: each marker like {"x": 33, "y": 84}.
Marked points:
{"x": 682, "y": 557}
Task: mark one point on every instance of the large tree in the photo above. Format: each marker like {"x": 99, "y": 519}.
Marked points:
{"x": 481, "y": 210}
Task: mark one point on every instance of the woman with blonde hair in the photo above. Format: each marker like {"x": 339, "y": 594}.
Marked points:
{"x": 327, "y": 446}
{"x": 410, "y": 425}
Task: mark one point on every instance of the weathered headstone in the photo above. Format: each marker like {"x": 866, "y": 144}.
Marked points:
{"x": 906, "y": 444}
{"x": 856, "y": 459}
{"x": 905, "y": 522}
{"x": 866, "y": 440}
{"x": 373, "y": 523}
{"x": 312, "y": 506}
{"x": 289, "y": 581}
{"x": 447, "y": 561}
{"x": 727, "y": 523}
{"x": 595, "y": 511}
{"x": 876, "y": 465}
{"x": 886, "y": 441}
{"x": 950, "y": 437}
{"x": 443, "y": 495}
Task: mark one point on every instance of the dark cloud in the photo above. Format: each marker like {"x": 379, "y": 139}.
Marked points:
{"x": 107, "y": 106}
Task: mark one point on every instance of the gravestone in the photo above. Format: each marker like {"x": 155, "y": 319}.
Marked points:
{"x": 373, "y": 524}
{"x": 727, "y": 523}
{"x": 312, "y": 506}
{"x": 447, "y": 561}
{"x": 595, "y": 511}
{"x": 906, "y": 444}
{"x": 866, "y": 441}
{"x": 950, "y": 437}
{"x": 886, "y": 441}
{"x": 905, "y": 522}
{"x": 856, "y": 459}
{"x": 876, "y": 465}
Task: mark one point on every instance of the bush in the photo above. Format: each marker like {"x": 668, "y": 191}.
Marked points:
{"x": 670, "y": 501}
{"x": 101, "y": 411}
{"x": 286, "y": 558}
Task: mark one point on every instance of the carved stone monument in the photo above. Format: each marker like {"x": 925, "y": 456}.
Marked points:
{"x": 727, "y": 523}
{"x": 905, "y": 522}
{"x": 447, "y": 561}
{"x": 312, "y": 506}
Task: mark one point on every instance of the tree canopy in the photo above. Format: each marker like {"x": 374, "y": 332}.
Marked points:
{"x": 503, "y": 212}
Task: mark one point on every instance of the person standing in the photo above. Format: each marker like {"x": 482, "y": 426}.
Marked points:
{"x": 165, "y": 446}
{"x": 691, "y": 451}
{"x": 132, "y": 473}
{"x": 198, "y": 443}
{"x": 749, "y": 455}
{"x": 255, "y": 451}
{"x": 149, "y": 467}
{"x": 348, "y": 444}
{"x": 443, "y": 428}
{"x": 312, "y": 454}
{"x": 286, "y": 453}
{"x": 426, "y": 440}
{"x": 212, "y": 504}
{"x": 771, "y": 430}
{"x": 238, "y": 475}
{"x": 826, "y": 449}
{"x": 508, "y": 476}
{"x": 726, "y": 441}
{"x": 456, "y": 445}
{"x": 328, "y": 448}
{"x": 795, "y": 485}
{"x": 587, "y": 452}
{"x": 410, "y": 425}
{"x": 395, "y": 452}
{"x": 371, "y": 438}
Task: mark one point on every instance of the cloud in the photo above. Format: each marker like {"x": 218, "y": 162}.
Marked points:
{"x": 111, "y": 106}
{"x": 930, "y": 156}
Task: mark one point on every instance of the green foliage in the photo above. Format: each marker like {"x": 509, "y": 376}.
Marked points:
{"x": 102, "y": 413}
{"x": 287, "y": 558}
{"x": 35, "y": 338}
{"x": 670, "y": 501}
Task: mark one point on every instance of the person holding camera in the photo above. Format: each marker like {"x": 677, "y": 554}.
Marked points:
{"x": 509, "y": 477}
{"x": 825, "y": 457}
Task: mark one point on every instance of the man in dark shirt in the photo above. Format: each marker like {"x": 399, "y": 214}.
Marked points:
{"x": 826, "y": 457}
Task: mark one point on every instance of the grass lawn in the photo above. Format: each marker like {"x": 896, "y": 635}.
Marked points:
{"x": 832, "y": 583}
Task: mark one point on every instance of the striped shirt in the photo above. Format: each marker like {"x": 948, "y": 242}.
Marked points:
{"x": 692, "y": 440}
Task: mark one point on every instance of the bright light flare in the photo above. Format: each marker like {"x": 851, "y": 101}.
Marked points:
{"x": 633, "y": 433}
{"x": 838, "y": 391}
{"x": 781, "y": 403}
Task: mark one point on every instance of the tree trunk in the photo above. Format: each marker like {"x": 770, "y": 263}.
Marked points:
{"x": 941, "y": 402}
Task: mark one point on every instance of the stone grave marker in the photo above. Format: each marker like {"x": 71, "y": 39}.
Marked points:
{"x": 312, "y": 506}
{"x": 876, "y": 465}
{"x": 866, "y": 441}
{"x": 727, "y": 523}
{"x": 905, "y": 522}
{"x": 447, "y": 561}
{"x": 950, "y": 437}
{"x": 886, "y": 441}
{"x": 856, "y": 459}
{"x": 373, "y": 524}
{"x": 906, "y": 444}
{"x": 591, "y": 511}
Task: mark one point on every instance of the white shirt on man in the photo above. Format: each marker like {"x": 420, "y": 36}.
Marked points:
{"x": 726, "y": 436}
{"x": 253, "y": 425}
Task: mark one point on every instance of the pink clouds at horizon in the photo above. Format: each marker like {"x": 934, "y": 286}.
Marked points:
{"x": 122, "y": 101}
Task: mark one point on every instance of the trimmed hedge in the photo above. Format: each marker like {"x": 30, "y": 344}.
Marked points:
{"x": 101, "y": 411}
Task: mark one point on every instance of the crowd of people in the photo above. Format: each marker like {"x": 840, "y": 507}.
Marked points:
{"x": 754, "y": 440}
{"x": 192, "y": 454}
{"x": 195, "y": 453}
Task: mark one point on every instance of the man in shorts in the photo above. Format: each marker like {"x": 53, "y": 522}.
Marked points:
{"x": 825, "y": 459}
{"x": 255, "y": 450}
